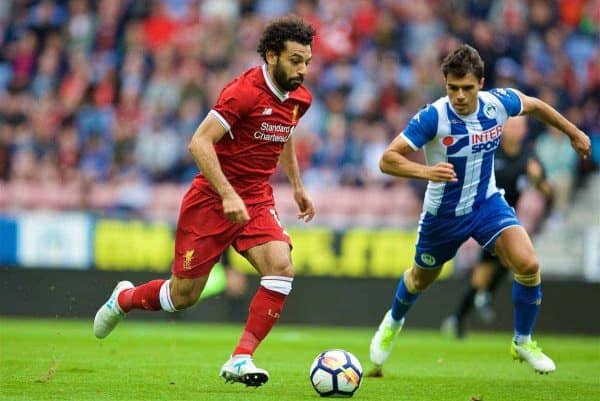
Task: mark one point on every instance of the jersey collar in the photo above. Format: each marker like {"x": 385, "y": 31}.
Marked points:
{"x": 468, "y": 116}
{"x": 282, "y": 96}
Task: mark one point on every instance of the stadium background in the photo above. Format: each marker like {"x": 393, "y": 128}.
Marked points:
{"x": 98, "y": 100}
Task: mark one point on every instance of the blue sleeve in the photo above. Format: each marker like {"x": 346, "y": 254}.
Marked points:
{"x": 509, "y": 99}
{"x": 422, "y": 128}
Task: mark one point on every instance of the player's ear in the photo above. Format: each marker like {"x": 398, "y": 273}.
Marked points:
{"x": 271, "y": 57}
{"x": 481, "y": 82}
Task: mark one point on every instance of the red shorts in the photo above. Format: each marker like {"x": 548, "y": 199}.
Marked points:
{"x": 203, "y": 233}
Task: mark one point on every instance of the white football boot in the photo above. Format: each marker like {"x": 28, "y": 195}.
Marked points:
{"x": 110, "y": 314}
{"x": 241, "y": 369}
{"x": 532, "y": 354}
{"x": 382, "y": 342}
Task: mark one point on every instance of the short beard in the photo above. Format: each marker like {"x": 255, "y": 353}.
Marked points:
{"x": 282, "y": 80}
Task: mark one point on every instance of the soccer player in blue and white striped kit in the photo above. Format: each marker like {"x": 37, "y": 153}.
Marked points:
{"x": 459, "y": 134}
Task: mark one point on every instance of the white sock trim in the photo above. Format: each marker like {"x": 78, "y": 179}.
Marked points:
{"x": 396, "y": 323}
{"x": 520, "y": 339}
{"x": 280, "y": 284}
{"x": 165, "y": 297}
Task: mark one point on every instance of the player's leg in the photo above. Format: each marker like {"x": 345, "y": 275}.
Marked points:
{"x": 437, "y": 243}
{"x": 498, "y": 230}
{"x": 177, "y": 293}
{"x": 167, "y": 295}
{"x": 272, "y": 261}
{"x": 125, "y": 297}
{"x": 196, "y": 251}
{"x": 266, "y": 245}
{"x": 410, "y": 285}
{"x": 515, "y": 250}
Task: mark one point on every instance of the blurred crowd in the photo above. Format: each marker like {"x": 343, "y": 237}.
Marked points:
{"x": 110, "y": 91}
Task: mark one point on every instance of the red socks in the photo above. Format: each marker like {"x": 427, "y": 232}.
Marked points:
{"x": 265, "y": 310}
{"x": 145, "y": 296}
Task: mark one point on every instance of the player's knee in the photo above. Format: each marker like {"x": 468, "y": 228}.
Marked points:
{"x": 279, "y": 267}
{"x": 528, "y": 266}
{"x": 284, "y": 269}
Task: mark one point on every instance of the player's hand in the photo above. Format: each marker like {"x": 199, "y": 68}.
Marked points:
{"x": 442, "y": 172}
{"x": 307, "y": 209}
{"x": 582, "y": 144}
{"x": 235, "y": 209}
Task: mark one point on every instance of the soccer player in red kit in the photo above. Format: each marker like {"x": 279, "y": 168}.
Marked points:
{"x": 230, "y": 202}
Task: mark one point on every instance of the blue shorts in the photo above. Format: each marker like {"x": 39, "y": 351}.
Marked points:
{"x": 440, "y": 237}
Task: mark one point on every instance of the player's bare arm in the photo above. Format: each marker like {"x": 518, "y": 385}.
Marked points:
{"x": 393, "y": 162}
{"x": 202, "y": 149}
{"x": 546, "y": 113}
{"x": 289, "y": 162}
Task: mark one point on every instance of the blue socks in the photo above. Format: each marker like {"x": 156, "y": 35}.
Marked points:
{"x": 403, "y": 300}
{"x": 526, "y": 301}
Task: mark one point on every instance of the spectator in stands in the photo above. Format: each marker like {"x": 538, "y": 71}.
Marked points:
{"x": 560, "y": 162}
{"x": 108, "y": 65}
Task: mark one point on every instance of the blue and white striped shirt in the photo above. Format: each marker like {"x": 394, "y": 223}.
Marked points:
{"x": 468, "y": 142}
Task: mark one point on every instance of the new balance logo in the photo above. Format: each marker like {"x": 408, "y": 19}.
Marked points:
{"x": 267, "y": 111}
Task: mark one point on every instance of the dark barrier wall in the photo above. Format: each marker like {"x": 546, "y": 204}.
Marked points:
{"x": 314, "y": 300}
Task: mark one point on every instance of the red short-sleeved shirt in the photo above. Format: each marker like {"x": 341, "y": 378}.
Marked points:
{"x": 259, "y": 119}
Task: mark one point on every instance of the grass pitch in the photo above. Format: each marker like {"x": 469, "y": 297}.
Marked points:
{"x": 61, "y": 360}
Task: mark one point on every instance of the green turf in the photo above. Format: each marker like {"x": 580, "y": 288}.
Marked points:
{"x": 61, "y": 360}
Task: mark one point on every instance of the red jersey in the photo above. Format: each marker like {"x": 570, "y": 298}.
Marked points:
{"x": 259, "y": 119}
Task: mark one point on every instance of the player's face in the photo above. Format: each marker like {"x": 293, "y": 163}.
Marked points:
{"x": 290, "y": 66}
{"x": 462, "y": 92}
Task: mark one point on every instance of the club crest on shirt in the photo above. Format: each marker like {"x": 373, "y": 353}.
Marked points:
{"x": 428, "y": 259}
{"x": 490, "y": 110}
{"x": 295, "y": 114}
{"x": 187, "y": 259}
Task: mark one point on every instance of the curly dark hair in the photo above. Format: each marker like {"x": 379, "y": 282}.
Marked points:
{"x": 281, "y": 30}
{"x": 463, "y": 60}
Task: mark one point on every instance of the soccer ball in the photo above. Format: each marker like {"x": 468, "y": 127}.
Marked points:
{"x": 336, "y": 373}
